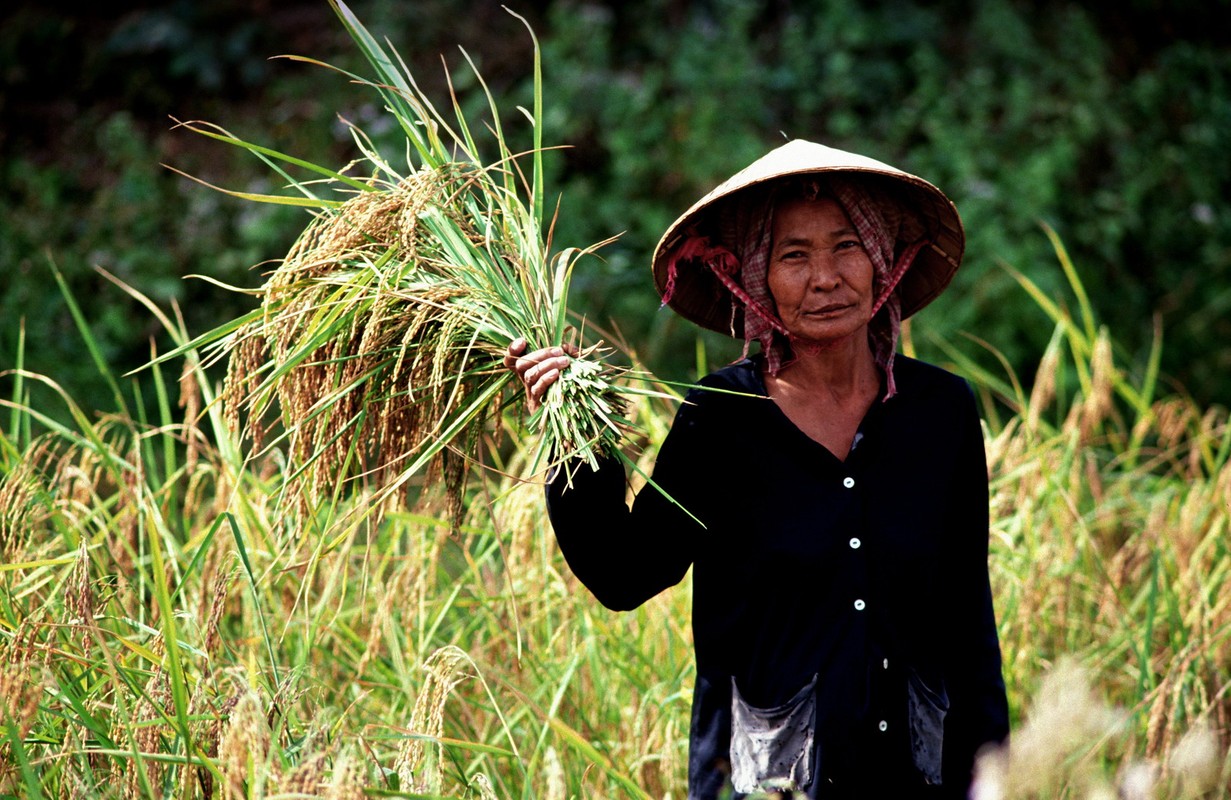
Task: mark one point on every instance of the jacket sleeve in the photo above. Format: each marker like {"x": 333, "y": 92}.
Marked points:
{"x": 623, "y": 555}
{"x": 978, "y": 713}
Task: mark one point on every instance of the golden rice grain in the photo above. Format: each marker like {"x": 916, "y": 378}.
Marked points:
{"x": 21, "y": 680}
{"x": 346, "y": 782}
{"x": 417, "y": 771}
{"x": 244, "y": 749}
{"x": 146, "y": 731}
{"x": 306, "y": 779}
{"x": 1097, "y": 405}
{"x": 79, "y": 598}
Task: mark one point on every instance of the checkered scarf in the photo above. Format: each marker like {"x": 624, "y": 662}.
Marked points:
{"x": 738, "y": 250}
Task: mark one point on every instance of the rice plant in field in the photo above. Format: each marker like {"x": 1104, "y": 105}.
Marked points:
{"x": 166, "y": 633}
{"x": 1110, "y": 508}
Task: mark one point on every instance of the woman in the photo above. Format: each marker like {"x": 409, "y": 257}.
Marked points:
{"x": 842, "y": 618}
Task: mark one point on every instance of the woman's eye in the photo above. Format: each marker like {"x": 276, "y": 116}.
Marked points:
{"x": 847, "y": 244}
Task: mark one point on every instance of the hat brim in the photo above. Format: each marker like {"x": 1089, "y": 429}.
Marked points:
{"x": 699, "y": 297}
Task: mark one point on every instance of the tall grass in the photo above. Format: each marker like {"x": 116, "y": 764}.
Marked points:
{"x": 167, "y": 634}
{"x": 1110, "y": 508}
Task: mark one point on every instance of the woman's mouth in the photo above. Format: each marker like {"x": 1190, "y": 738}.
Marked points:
{"x": 828, "y": 310}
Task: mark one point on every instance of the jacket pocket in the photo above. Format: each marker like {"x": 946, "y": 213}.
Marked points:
{"x": 928, "y": 708}
{"x": 772, "y": 748}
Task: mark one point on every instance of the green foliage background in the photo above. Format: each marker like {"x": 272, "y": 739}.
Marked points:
{"x": 1111, "y": 126}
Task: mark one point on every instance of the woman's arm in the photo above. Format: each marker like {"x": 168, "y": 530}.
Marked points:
{"x": 626, "y": 556}
{"x": 623, "y": 556}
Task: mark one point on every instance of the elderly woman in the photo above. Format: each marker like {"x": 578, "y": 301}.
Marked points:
{"x": 842, "y": 617}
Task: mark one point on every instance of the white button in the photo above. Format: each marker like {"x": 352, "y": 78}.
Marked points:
{"x": 848, "y": 482}
{"x": 859, "y": 605}
{"x": 855, "y": 543}
{"x": 886, "y": 663}
{"x": 884, "y": 726}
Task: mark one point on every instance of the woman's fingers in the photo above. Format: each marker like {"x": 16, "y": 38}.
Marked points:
{"x": 538, "y": 369}
{"x": 516, "y": 348}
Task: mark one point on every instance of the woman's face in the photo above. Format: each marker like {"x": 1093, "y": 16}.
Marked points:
{"x": 819, "y": 274}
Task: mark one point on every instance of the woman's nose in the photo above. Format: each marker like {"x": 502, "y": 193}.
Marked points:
{"x": 823, "y": 276}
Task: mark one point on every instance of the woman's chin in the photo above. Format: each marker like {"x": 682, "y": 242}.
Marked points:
{"x": 825, "y": 337}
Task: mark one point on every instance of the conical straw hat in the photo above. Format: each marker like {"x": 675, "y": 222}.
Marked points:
{"x": 698, "y": 296}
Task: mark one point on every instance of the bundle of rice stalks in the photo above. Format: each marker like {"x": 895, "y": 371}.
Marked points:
{"x": 376, "y": 351}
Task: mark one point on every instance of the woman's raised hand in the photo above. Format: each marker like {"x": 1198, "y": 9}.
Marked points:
{"x": 537, "y": 370}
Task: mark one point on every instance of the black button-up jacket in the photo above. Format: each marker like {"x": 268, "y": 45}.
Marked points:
{"x": 869, "y": 574}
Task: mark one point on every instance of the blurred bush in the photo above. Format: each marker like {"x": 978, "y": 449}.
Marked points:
{"x": 1111, "y": 127}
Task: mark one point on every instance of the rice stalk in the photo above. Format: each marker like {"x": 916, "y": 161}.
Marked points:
{"x": 246, "y": 752}
{"x": 1071, "y": 743}
{"x": 484, "y": 786}
{"x": 21, "y": 688}
{"x": 147, "y": 737}
{"x": 376, "y": 353}
{"x": 24, "y": 499}
{"x": 208, "y": 735}
{"x": 1195, "y": 763}
{"x": 347, "y": 780}
{"x": 419, "y": 764}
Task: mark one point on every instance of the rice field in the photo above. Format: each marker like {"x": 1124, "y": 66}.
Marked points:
{"x": 181, "y": 618}
{"x": 168, "y": 631}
